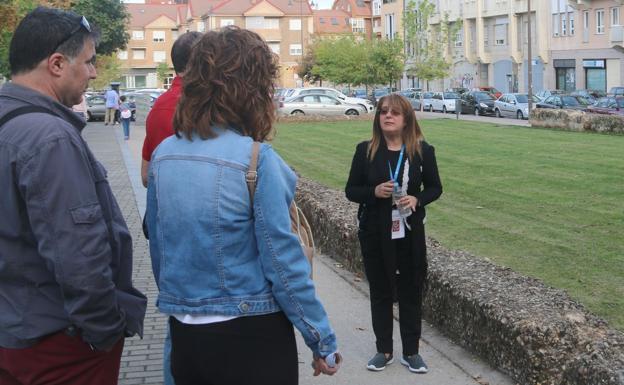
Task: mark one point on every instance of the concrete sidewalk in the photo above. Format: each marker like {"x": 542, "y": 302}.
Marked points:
{"x": 344, "y": 295}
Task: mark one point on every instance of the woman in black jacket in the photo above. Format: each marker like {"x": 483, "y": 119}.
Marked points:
{"x": 395, "y": 170}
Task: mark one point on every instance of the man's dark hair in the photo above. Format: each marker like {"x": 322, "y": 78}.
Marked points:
{"x": 43, "y": 32}
{"x": 181, "y": 50}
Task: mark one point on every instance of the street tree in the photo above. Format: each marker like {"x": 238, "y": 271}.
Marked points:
{"x": 427, "y": 45}
{"x": 384, "y": 62}
{"x": 110, "y": 17}
{"x": 108, "y": 69}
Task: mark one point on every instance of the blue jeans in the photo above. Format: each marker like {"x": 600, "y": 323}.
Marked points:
{"x": 125, "y": 123}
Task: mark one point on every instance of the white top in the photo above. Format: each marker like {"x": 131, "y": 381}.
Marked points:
{"x": 201, "y": 319}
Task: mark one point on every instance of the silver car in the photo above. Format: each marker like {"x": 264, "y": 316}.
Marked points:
{"x": 318, "y": 104}
{"x": 513, "y": 106}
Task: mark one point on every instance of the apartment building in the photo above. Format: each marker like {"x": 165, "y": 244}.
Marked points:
{"x": 492, "y": 45}
{"x": 587, "y": 42}
{"x": 330, "y": 23}
{"x": 153, "y": 29}
{"x": 286, "y": 25}
{"x": 360, "y": 15}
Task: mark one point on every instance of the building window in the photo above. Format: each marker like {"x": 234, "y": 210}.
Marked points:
{"x": 322, "y": 20}
{"x": 174, "y": 34}
{"x": 158, "y": 36}
{"x": 500, "y": 33}
{"x": 564, "y": 24}
{"x": 600, "y": 28}
{"x": 275, "y": 46}
{"x": 571, "y": 21}
{"x": 334, "y": 21}
{"x": 260, "y": 22}
{"x": 168, "y": 81}
{"x": 376, "y": 8}
{"x": 295, "y": 50}
{"x": 226, "y": 22}
{"x": 459, "y": 38}
{"x": 586, "y": 20}
{"x": 390, "y": 29}
{"x": 160, "y": 56}
{"x": 357, "y": 25}
{"x": 295, "y": 24}
{"x": 140, "y": 81}
{"x": 201, "y": 26}
{"x": 137, "y": 35}
{"x": 138, "y": 54}
{"x": 122, "y": 55}
{"x": 555, "y": 24}
{"x": 615, "y": 16}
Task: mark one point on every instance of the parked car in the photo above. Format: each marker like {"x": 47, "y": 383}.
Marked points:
{"x": 443, "y": 101}
{"x": 319, "y": 104}
{"x": 492, "y": 91}
{"x": 609, "y": 105}
{"x": 513, "y": 105}
{"x": 426, "y": 100}
{"x": 477, "y": 102}
{"x": 96, "y": 107}
{"x": 413, "y": 97}
{"x": 543, "y": 94}
{"x": 459, "y": 90}
{"x": 365, "y": 103}
{"x": 616, "y": 91}
{"x": 591, "y": 95}
{"x": 562, "y": 101}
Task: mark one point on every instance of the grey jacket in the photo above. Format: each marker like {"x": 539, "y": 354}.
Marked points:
{"x": 65, "y": 249}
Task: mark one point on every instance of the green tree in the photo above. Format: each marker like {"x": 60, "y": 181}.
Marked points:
{"x": 427, "y": 45}
{"x": 110, "y": 16}
{"x": 384, "y": 63}
{"x": 112, "y": 19}
{"x": 162, "y": 71}
{"x": 108, "y": 69}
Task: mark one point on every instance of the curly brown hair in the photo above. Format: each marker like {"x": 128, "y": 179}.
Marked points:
{"x": 229, "y": 82}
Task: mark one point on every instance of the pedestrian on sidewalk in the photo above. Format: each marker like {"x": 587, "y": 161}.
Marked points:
{"x": 158, "y": 127}
{"x": 125, "y": 116}
{"x": 231, "y": 275}
{"x": 385, "y": 179}
{"x": 112, "y": 105}
{"x": 66, "y": 296}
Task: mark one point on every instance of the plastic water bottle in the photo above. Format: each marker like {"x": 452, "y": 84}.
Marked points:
{"x": 397, "y": 194}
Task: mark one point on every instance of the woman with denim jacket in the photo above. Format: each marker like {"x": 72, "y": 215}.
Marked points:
{"x": 231, "y": 275}
{"x": 393, "y": 177}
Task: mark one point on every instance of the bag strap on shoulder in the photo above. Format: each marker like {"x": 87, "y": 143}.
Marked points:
{"x": 23, "y": 111}
{"x": 252, "y": 173}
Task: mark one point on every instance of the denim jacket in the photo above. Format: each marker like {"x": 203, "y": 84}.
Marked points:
{"x": 212, "y": 252}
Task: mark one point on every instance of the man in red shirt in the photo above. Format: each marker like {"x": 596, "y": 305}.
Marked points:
{"x": 159, "y": 124}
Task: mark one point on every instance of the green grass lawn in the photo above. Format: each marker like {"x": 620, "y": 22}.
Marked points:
{"x": 548, "y": 204}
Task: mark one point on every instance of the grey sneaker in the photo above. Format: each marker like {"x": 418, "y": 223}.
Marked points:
{"x": 414, "y": 363}
{"x": 379, "y": 362}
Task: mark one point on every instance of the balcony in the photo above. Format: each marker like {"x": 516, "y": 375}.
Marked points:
{"x": 580, "y": 3}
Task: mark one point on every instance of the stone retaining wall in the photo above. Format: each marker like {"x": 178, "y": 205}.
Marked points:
{"x": 537, "y": 334}
{"x": 571, "y": 120}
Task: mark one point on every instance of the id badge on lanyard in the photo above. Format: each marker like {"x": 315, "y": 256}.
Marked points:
{"x": 398, "y": 227}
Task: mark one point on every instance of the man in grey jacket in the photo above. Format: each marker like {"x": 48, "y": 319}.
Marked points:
{"x": 66, "y": 296}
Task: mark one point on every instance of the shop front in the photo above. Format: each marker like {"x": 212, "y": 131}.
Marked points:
{"x": 595, "y": 74}
{"x": 565, "y": 74}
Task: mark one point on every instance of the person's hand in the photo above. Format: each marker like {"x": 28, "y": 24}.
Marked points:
{"x": 409, "y": 201}
{"x": 320, "y": 366}
{"x": 384, "y": 190}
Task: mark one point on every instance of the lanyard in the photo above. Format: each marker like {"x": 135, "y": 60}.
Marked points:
{"x": 398, "y": 165}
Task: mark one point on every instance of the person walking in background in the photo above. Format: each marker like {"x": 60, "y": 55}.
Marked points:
{"x": 385, "y": 179}
{"x": 159, "y": 123}
{"x": 125, "y": 114}
{"x": 158, "y": 127}
{"x": 66, "y": 295}
{"x": 112, "y": 105}
{"x": 231, "y": 275}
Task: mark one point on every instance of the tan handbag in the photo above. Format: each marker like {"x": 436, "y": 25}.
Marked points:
{"x": 298, "y": 222}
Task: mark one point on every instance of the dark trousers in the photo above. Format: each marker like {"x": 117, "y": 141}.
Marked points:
{"x": 60, "y": 359}
{"x": 256, "y": 350}
{"x": 382, "y": 295}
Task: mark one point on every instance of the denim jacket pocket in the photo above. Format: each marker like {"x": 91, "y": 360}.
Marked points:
{"x": 87, "y": 214}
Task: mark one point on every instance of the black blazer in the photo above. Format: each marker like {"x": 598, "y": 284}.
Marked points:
{"x": 375, "y": 214}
